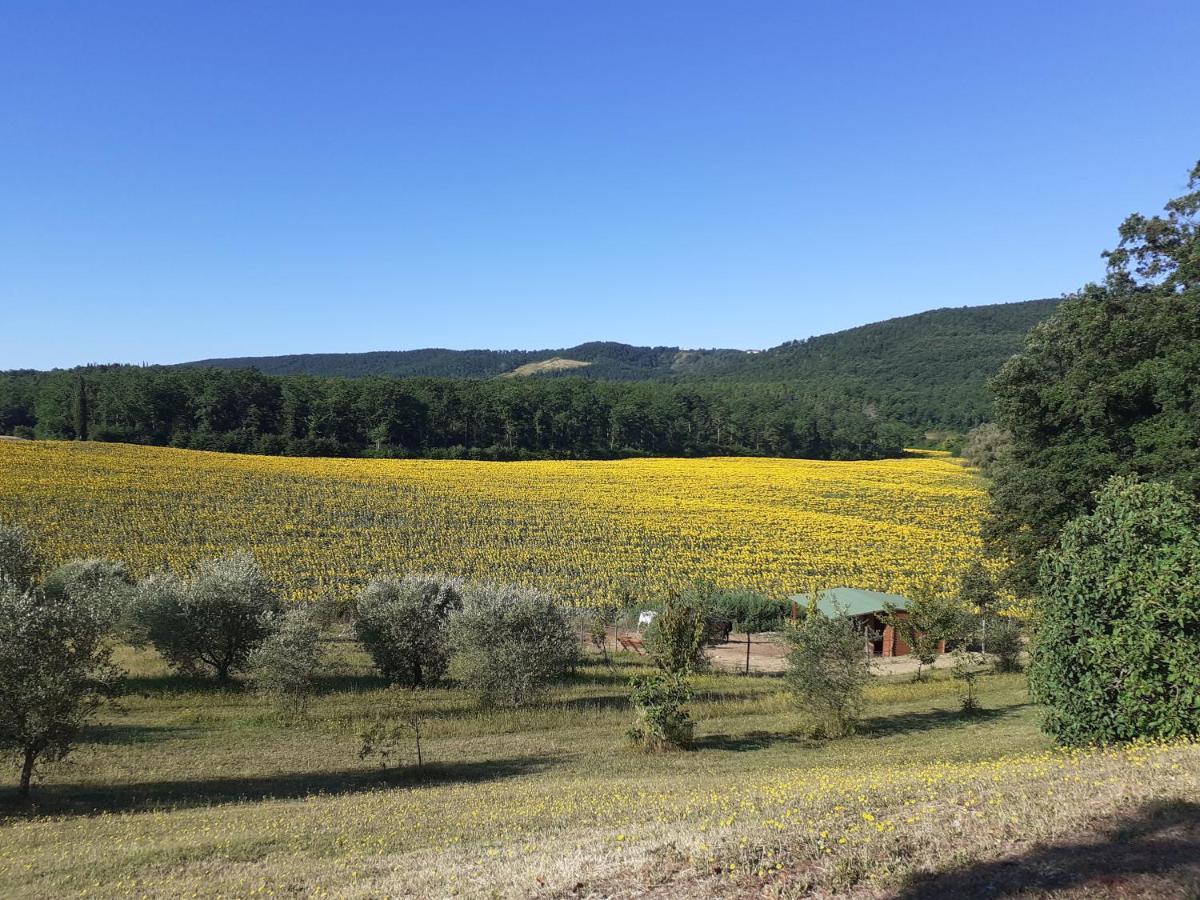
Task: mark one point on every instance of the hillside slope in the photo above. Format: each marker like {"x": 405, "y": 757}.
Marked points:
{"x": 929, "y": 368}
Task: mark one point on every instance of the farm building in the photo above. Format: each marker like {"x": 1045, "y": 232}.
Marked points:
{"x": 865, "y": 608}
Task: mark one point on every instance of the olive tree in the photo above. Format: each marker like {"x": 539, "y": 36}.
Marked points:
{"x": 828, "y": 670}
{"x": 1117, "y": 619}
{"x": 55, "y": 670}
{"x": 284, "y": 666}
{"x": 212, "y": 621}
{"x": 405, "y": 625}
{"x": 20, "y": 562}
{"x": 510, "y": 643}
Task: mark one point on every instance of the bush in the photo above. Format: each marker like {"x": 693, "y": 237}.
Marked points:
{"x": 404, "y": 624}
{"x": 284, "y": 666}
{"x": 828, "y": 670}
{"x": 212, "y": 622}
{"x": 675, "y": 639}
{"x": 1117, "y": 629}
{"x": 55, "y": 670}
{"x": 662, "y": 722}
{"x": 106, "y": 584}
{"x": 1004, "y": 643}
{"x": 510, "y": 643}
{"x": 20, "y": 562}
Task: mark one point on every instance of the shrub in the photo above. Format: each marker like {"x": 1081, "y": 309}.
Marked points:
{"x": 967, "y": 669}
{"x": 212, "y": 622}
{"x": 284, "y": 666}
{"x": 933, "y": 615}
{"x": 55, "y": 670}
{"x": 1117, "y": 629}
{"x": 828, "y": 670}
{"x": 20, "y": 562}
{"x": 105, "y": 583}
{"x": 404, "y": 624}
{"x": 675, "y": 639}
{"x": 658, "y": 701}
{"x": 401, "y": 716}
{"x": 510, "y": 642}
{"x": 1004, "y": 643}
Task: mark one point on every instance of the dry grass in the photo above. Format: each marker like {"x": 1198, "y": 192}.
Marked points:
{"x": 195, "y": 791}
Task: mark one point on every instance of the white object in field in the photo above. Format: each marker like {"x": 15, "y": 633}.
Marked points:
{"x": 646, "y": 617}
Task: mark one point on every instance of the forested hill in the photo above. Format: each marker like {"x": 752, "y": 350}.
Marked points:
{"x": 923, "y": 357}
{"x": 605, "y": 360}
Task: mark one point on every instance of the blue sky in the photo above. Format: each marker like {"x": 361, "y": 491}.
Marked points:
{"x": 180, "y": 181}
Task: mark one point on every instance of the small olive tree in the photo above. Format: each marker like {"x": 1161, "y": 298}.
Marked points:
{"x": 284, "y": 666}
{"x": 212, "y": 622}
{"x": 662, "y": 721}
{"x": 510, "y": 642}
{"x": 20, "y": 561}
{"x": 405, "y": 625}
{"x": 55, "y": 669}
{"x": 933, "y": 615}
{"x": 828, "y": 670}
{"x": 675, "y": 639}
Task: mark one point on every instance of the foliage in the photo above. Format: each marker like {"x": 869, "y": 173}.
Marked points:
{"x": 600, "y": 532}
{"x": 284, "y": 666}
{"x": 986, "y": 446}
{"x": 1106, "y": 387}
{"x": 828, "y": 670}
{"x": 934, "y": 614}
{"x": 20, "y": 561}
{"x": 1005, "y": 643}
{"x": 402, "y": 715}
{"x": 404, "y": 624}
{"x": 967, "y": 668}
{"x": 215, "y": 620}
{"x": 662, "y": 722}
{"x": 977, "y": 589}
{"x": 1118, "y": 619}
{"x": 55, "y": 670}
{"x": 675, "y": 639}
{"x": 510, "y": 643}
{"x": 750, "y": 612}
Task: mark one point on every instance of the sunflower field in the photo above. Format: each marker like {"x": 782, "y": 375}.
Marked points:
{"x": 591, "y": 532}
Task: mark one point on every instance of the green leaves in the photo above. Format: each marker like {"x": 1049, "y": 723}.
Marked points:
{"x": 1117, "y": 646}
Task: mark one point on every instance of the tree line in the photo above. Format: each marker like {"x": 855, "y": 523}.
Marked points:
{"x": 246, "y": 411}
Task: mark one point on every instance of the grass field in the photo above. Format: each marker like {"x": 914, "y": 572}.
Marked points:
{"x": 189, "y": 790}
{"x": 586, "y": 530}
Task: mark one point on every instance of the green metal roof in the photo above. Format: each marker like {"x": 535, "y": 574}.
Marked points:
{"x": 853, "y": 601}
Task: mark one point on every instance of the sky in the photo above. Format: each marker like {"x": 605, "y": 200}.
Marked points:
{"x": 190, "y": 180}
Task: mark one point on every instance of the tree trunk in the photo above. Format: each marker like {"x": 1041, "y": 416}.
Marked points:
{"x": 27, "y": 773}
{"x": 747, "y": 653}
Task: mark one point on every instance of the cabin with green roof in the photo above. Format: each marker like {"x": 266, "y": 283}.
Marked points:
{"x": 865, "y": 608}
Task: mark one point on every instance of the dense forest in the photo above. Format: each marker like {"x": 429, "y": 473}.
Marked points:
{"x": 246, "y": 411}
{"x": 858, "y": 394}
{"x": 929, "y": 369}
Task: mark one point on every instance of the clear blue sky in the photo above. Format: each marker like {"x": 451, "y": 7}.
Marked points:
{"x": 211, "y": 179}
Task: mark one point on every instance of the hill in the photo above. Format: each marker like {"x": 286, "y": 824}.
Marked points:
{"x": 927, "y": 368}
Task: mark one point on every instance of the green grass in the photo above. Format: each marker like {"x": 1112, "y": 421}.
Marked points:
{"x": 188, "y": 788}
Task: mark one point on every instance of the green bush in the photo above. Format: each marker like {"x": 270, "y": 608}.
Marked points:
{"x": 658, "y": 702}
{"x": 1005, "y": 643}
{"x": 404, "y": 625}
{"x": 284, "y": 666}
{"x": 1117, "y": 629}
{"x": 212, "y": 622}
{"x": 509, "y": 643}
{"x": 828, "y": 670}
{"x": 20, "y": 562}
{"x": 675, "y": 639}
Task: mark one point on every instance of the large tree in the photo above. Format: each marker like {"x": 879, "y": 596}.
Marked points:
{"x": 1109, "y": 386}
{"x": 1118, "y": 619}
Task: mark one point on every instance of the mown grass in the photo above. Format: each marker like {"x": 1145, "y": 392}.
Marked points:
{"x": 191, "y": 789}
